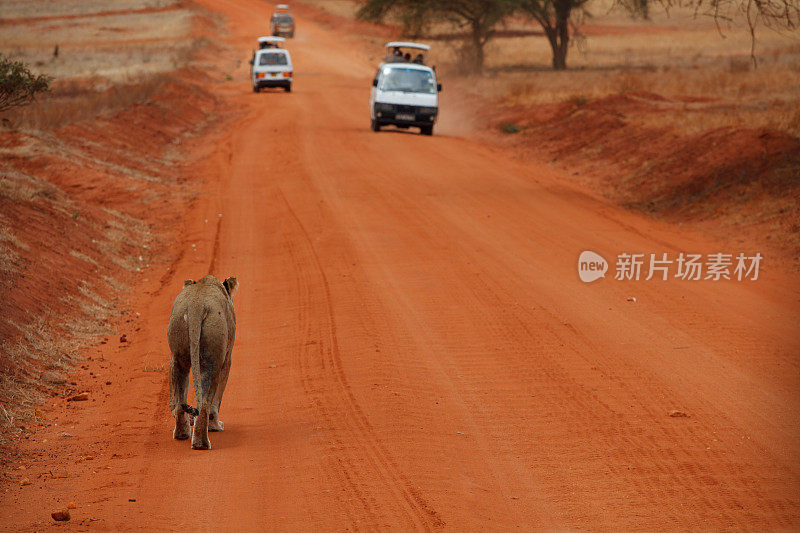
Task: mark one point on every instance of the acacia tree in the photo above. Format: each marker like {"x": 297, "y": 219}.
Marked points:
{"x": 18, "y": 86}
{"x": 478, "y": 17}
{"x": 557, "y": 16}
{"x": 554, "y": 17}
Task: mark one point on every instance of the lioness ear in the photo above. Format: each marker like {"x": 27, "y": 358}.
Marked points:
{"x": 188, "y": 282}
{"x": 230, "y": 285}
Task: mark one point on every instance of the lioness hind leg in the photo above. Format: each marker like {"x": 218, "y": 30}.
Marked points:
{"x": 179, "y": 394}
{"x": 214, "y": 423}
{"x": 200, "y": 440}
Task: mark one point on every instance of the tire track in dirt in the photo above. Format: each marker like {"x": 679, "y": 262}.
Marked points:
{"x": 416, "y": 510}
{"x": 593, "y": 382}
{"x": 212, "y": 265}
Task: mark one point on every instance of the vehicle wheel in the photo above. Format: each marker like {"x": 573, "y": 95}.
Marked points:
{"x": 375, "y": 126}
{"x": 288, "y": 88}
{"x": 426, "y": 130}
{"x": 255, "y": 88}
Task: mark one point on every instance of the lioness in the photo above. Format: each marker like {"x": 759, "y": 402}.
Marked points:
{"x": 200, "y": 334}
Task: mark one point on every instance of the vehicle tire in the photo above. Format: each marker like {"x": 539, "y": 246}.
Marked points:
{"x": 426, "y": 130}
{"x": 256, "y": 89}
{"x": 375, "y": 126}
{"x": 288, "y": 88}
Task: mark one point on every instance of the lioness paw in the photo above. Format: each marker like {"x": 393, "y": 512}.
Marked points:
{"x": 200, "y": 445}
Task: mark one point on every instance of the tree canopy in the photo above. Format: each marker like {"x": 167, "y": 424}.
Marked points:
{"x": 479, "y": 18}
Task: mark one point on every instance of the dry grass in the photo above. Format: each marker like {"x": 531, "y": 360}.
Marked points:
{"x": 20, "y": 187}
{"x": 340, "y": 8}
{"x": 710, "y": 81}
{"x": 26, "y": 8}
{"x": 132, "y": 28}
{"x": 109, "y": 48}
{"x": 90, "y": 92}
{"x": 42, "y": 348}
{"x": 699, "y": 99}
{"x": 73, "y": 102}
{"x": 45, "y": 349}
{"x": 122, "y": 231}
{"x": 10, "y": 248}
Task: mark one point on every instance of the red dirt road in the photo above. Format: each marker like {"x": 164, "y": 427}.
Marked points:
{"x": 415, "y": 350}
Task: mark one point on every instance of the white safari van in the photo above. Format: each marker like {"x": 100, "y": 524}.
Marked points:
{"x": 404, "y": 91}
{"x": 281, "y": 23}
{"x": 271, "y": 65}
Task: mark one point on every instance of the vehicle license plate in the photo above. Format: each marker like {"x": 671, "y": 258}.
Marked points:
{"x": 404, "y": 116}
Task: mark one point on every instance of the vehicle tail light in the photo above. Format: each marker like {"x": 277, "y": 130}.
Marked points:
{"x": 260, "y": 74}
{"x": 287, "y": 74}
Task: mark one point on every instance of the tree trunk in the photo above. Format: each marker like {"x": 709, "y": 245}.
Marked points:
{"x": 478, "y": 42}
{"x": 558, "y": 35}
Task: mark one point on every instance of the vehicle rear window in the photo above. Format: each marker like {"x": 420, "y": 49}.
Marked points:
{"x": 272, "y": 59}
{"x": 283, "y": 19}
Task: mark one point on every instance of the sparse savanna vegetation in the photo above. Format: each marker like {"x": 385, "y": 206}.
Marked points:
{"x": 476, "y": 23}
{"x": 81, "y": 166}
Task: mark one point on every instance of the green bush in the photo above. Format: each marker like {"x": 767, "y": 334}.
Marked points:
{"x": 18, "y": 85}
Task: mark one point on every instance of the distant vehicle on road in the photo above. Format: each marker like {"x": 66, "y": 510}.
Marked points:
{"x": 282, "y": 22}
{"x": 404, "y": 90}
{"x": 271, "y": 66}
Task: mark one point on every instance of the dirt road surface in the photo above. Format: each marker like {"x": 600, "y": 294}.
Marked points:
{"x": 415, "y": 349}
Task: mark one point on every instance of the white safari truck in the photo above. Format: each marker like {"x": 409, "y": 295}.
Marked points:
{"x": 271, "y": 65}
{"x": 404, "y": 90}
